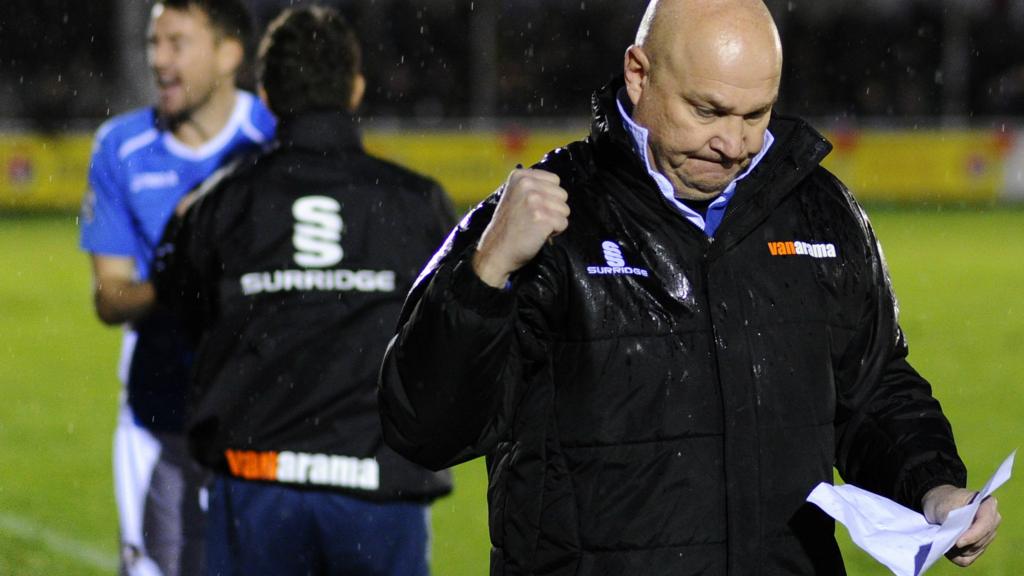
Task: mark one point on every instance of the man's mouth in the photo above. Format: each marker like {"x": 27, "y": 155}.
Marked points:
{"x": 167, "y": 82}
{"x": 724, "y": 164}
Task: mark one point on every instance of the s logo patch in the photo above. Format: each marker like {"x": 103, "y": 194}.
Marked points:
{"x": 317, "y": 232}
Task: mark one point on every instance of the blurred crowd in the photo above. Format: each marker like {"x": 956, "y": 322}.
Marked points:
{"x": 65, "y": 60}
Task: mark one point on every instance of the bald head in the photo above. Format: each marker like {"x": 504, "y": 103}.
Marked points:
{"x": 703, "y": 33}
{"x": 703, "y": 77}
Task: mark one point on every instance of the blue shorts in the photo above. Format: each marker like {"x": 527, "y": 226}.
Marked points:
{"x": 256, "y": 528}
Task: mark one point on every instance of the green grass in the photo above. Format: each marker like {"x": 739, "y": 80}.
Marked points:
{"x": 959, "y": 275}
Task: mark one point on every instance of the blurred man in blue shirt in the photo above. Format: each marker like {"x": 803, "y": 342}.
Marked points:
{"x": 143, "y": 164}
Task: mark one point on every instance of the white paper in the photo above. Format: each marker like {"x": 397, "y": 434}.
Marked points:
{"x": 897, "y": 536}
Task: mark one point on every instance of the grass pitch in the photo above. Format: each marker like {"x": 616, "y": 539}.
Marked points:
{"x": 958, "y": 273}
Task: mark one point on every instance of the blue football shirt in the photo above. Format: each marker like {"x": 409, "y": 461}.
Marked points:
{"x": 137, "y": 175}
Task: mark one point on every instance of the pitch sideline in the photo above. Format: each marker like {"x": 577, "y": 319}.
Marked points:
{"x": 67, "y": 546}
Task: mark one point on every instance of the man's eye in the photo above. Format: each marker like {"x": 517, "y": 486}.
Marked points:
{"x": 706, "y": 112}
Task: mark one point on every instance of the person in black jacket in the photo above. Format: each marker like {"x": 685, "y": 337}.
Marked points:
{"x": 291, "y": 267}
{"x": 664, "y": 336}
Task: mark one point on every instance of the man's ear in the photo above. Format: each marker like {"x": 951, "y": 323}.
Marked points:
{"x": 358, "y": 90}
{"x": 229, "y": 54}
{"x": 636, "y": 68}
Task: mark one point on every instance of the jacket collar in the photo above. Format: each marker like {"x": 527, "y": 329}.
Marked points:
{"x": 323, "y": 131}
{"x": 606, "y": 128}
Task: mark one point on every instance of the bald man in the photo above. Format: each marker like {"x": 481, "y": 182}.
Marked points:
{"x": 664, "y": 336}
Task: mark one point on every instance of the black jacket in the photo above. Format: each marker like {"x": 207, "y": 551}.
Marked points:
{"x": 654, "y": 403}
{"x": 292, "y": 268}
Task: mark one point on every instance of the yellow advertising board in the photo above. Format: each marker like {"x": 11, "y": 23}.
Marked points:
{"x": 470, "y": 165}
{"x": 38, "y": 172}
{"x": 935, "y": 166}
{"x": 927, "y": 165}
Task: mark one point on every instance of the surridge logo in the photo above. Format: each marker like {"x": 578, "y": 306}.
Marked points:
{"x": 616, "y": 263}
{"x": 799, "y": 248}
{"x": 613, "y": 254}
{"x": 317, "y": 241}
{"x": 317, "y": 233}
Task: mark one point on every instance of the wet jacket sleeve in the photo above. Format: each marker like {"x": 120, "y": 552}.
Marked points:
{"x": 892, "y": 437}
{"x": 451, "y": 375}
{"x": 181, "y": 258}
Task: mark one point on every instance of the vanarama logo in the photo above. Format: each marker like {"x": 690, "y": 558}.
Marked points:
{"x": 302, "y": 468}
{"x": 616, "y": 263}
{"x": 798, "y": 248}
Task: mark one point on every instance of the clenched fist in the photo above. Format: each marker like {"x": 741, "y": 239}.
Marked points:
{"x": 533, "y": 208}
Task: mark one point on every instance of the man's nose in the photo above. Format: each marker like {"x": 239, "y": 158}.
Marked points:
{"x": 729, "y": 138}
{"x": 158, "y": 54}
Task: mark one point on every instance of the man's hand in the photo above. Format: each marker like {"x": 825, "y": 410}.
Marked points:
{"x": 532, "y": 209}
{"x": 941, "y": 500}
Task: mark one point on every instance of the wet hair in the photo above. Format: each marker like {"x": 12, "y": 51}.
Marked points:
{"x": 228, "y": 18}
{"x": 308, "y": 61}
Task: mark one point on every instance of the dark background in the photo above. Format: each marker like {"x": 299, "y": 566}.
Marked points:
{"x": 69, "y": 63}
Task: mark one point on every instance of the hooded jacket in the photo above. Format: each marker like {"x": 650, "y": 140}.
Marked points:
{"x": 655, "y": 402}
{"x": 291, "y": 269}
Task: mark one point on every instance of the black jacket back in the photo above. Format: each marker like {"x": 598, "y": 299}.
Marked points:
{"x": 292, "y": 268}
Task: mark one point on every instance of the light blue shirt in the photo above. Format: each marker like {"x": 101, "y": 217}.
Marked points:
{"x": 716, "y": 210}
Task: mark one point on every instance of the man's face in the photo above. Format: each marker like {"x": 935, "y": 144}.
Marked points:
{"x": 706, "y": 118}
{"x": 182, "y": 53}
